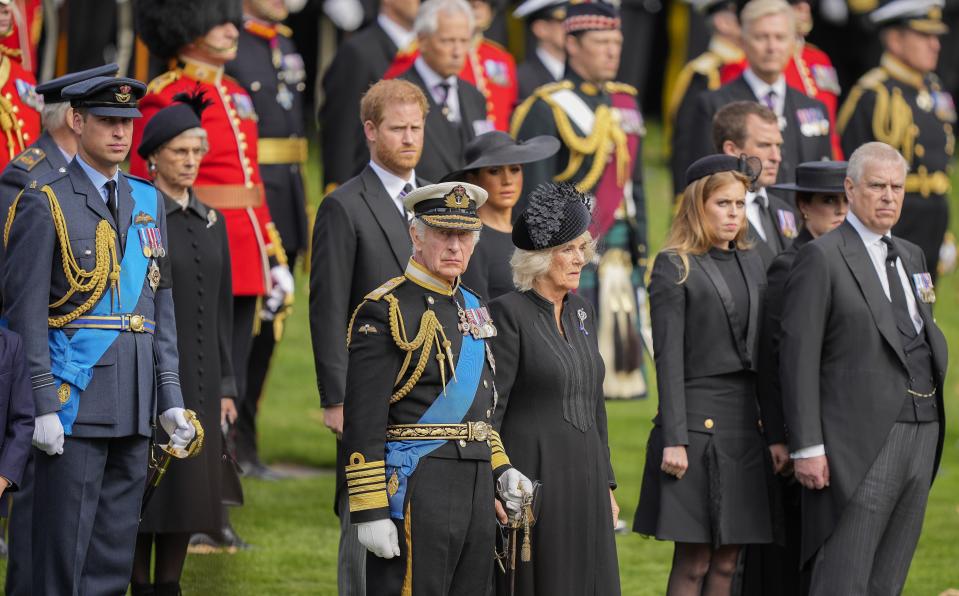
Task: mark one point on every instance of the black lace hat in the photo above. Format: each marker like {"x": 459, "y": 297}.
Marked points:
{"x": 557, "y": 214}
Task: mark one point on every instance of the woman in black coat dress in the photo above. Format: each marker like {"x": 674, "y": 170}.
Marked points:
{"x": 188, "y": 499}
{"x": 707, "y": 478}
{"x": 551, "y": 412}
{"x": 494, "y": 162}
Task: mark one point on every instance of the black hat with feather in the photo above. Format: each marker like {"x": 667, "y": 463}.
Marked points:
{"x": 183, "y": 114}
{"x": 165, "y": 26}
{"x": 557, "y": 214}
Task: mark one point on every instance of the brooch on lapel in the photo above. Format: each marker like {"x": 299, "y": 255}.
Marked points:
{"x": 581, "y": 315}
{"x": 210, "y": 218}
{"x": 924, "y": 287}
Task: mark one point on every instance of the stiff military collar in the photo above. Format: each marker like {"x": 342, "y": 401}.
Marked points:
{"x": 423, "y": 277}
{"x": 726, "y": 50}
{"x": 902, "y": 72}
{"x": 201, "y": 71}
{"x": 582, "y": 84}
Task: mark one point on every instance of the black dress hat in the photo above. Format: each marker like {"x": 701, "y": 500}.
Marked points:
{"x": 165, "y": 26}
{"x": 52, "y": 89}
{"x": 557, "y": 214}
{"x": 923, "y": 16}
{"x": 496, "y": 148}
{"x": 591, "y": 15}
{"x": 817, "y": 176}
{"x": 169, "y": 122}
{"x": 751, "y": 167}
{"x": 107, "y": 96}
{"x": 447, "y": 205}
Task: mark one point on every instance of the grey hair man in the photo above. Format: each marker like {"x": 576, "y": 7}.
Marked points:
{"x": 457, "y": 110}
{"x": 862, "y": 368}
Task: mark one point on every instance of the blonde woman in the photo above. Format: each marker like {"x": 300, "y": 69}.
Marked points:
{"x": 551, "y": 411}
{"x": 707, "y": 476}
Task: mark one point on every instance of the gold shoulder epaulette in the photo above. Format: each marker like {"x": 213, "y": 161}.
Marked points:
{"x": 614, "y": 87}
{"x": 29, "y": 158}
{"x": 873, "y": 78}
{"x": 543, "y": 92}
{"x": 385, "y": 289}
{"x": 284, "y": 30}
{"x": 164, "y": 80}
{"x": 706, "y": 63}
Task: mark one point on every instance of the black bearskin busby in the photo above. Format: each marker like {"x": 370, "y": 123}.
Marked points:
{"x": 165, "y": 26}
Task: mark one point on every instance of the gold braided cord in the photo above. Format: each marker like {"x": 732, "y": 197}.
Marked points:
{"x": 349, "y": 330}
{"x": 848, "y": 108}
{"x": 429, "y": 334}
{"x": 9, "y": 120}
{"x": 892, "y": 122}
{"x": 106, "y": 269}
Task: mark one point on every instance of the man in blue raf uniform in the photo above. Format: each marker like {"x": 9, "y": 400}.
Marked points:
{"x": 271, "y": 70}
{"x": 88, "y": 241}
{"x": 422, "y": 456}
{"x": 51, "y": 151}
{"x": 54, "y": 148}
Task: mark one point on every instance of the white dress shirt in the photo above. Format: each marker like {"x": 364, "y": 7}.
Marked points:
{"x": 555, "y": 66}
{"x": 401, "y": 36}
{"x": 393, "y": 184}
{"x": 877, "y": 251}
{"x": 761, "y": 89}
{"x": 753, "y": 213}
{"x": 432, "y": 80}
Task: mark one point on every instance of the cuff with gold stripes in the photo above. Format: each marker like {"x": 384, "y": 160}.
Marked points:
{"x": 498, "y": 457}
{"x": 366, "y": 483}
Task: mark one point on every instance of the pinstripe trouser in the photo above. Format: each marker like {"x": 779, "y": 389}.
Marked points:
{"x": 351, "y": 559}
{"x": 872, "y": 546}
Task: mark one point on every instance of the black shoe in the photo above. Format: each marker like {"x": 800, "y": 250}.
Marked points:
{"x": 168, "y": 589}
{"x": 142, "y": 590}
{"x": 260, "y": 471}
{"x": 226, "y": 540}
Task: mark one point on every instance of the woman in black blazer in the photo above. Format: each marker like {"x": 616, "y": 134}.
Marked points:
{"x": 707, "y": 478}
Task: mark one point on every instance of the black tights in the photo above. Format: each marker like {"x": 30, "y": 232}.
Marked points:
{"x": 699, "y": 570}
{"x": 170, "y": 557}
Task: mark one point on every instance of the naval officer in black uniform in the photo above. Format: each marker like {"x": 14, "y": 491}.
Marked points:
{"x": 422, "y": 455}
{"x": 90, "y": 241}
{"x": 901, "y": 103}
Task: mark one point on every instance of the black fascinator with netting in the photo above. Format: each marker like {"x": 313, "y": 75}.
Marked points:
{"x": 557, "y": 214}
{"x": 750, "y": 167}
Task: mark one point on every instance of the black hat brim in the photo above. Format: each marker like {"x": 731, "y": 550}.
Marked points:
{"x": 115, "y": 112}
{"x": 522, "y": 152}
{"x": 829, "y": 190}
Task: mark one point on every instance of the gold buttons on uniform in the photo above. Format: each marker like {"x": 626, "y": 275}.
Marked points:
{"x": 429, "y": 300}
{"x": 709, "y": 423}
{"x": 485, "y": 384}
{"x": 462, "y": 443}
{"x": 255, "y": 86}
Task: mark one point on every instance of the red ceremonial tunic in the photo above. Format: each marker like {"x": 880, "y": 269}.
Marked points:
{"x": 811, "y": 72}
{"x": 496, "y": 80}
{"x": 25, "y": 33}
{"x": 19, "y": 109}
{"x": 229, "y": 177}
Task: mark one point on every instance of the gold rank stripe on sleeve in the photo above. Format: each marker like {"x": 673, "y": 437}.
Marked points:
{"x": 366, "y": 483}
{"x": 498, "y": 455}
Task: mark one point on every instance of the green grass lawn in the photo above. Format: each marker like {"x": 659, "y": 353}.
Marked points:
{"x": 295, "y": 533}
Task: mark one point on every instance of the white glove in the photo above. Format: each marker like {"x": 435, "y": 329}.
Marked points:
{"x": 345, "y": 14}
{"x": 510, "y": 487}
{"x": 175, "y": 424}
{"x": 282, "y": 280}
{"x": 48, "y": 434}
{"x": 379, "y": 537}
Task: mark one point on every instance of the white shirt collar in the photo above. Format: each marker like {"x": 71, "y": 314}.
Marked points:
{"x": 96, "y": 178}
{"x": 557, "y": 68}
{"x": 400, "y": 36}
{"x": 393, "y": 183}
{"x": 761, "y": 88}
{"x": 868, "y": 236}
{"x": 430, "y": 77}
{"x": 751, "y": 197}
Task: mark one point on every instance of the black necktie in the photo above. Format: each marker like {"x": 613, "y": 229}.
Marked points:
{"x": 444, "y": 88}
{"x": 896, "y": 293}
{"x": 772, "y": 235}
{"x": 111, "y": 186}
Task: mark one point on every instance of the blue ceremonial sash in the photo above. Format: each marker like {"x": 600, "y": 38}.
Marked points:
{"x": 72, "y": 358}
{"x": 450, "y": 407}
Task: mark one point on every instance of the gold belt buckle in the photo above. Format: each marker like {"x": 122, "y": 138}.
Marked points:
{"x": 478, "y": 431}
{"x": 136, "y": 323}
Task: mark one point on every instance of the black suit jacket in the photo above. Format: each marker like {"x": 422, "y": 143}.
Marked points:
{"x": 359, "y": 62}
{"x": 444, "y": 141}
{"x": 531, "y": 75}
{"x": 768, "y": 250}
{"x": 797, "y": 147}
{"x": 842, "y": 367}
{"x": 693, "y": 329}
{"x": 16, "y": 412}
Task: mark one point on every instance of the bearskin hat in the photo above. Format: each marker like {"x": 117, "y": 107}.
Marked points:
{"x": 165, "y": 26}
